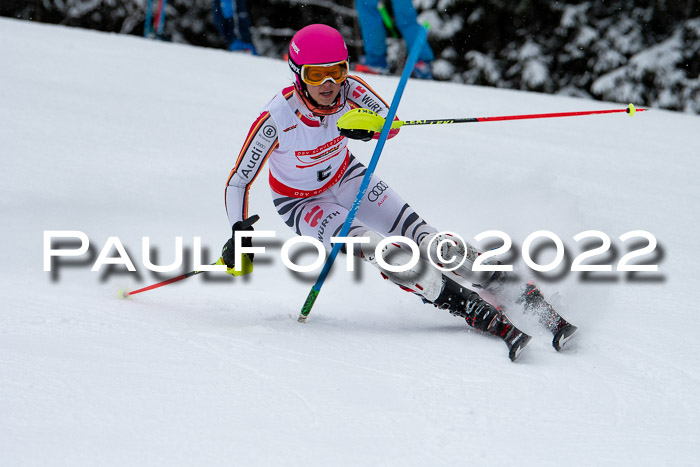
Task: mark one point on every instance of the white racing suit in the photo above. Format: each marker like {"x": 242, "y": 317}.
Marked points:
{"x": 315, "y": 179}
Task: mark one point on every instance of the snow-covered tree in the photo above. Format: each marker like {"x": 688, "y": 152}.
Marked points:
{"x": 644, "y": 51}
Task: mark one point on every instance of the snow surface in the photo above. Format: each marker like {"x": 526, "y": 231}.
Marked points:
{"x": 118, "y": 136}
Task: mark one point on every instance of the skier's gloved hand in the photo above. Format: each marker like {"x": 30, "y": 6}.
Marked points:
{"x": 363, "y": 135}
{"x": 228, "y": 252}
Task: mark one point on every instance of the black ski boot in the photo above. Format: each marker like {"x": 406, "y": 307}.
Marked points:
{"x": 481, "y": 315}
{"x": 534, "y": 302}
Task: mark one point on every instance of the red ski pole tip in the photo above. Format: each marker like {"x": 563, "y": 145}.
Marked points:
{"x": 123, "y": 293}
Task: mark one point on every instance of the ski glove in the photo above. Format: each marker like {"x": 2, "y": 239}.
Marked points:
{"x": 363, "y": 135}
{"x": 228, "y": 252}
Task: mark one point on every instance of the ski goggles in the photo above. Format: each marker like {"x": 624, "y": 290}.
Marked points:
{"x": 316, "y": 75}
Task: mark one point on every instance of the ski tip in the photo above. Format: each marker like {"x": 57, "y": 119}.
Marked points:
{"x": 518, "y": 346}
{"x": 302, "y": 319}
{"x": 123, "y": 293}
{"x": 562, "y": 336}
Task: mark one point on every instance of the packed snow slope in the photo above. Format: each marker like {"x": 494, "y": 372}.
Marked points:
{"x": 116, "y": 136}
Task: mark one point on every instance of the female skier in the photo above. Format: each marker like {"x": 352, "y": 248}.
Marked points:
{"x": 314, "y": 180}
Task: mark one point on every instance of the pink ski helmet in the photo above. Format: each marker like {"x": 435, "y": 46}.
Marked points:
{"x": 317, "y": 44}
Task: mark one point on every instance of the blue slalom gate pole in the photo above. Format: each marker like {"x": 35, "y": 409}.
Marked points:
{"x": 148, "y": 27}
{"x": 407, "y": 69}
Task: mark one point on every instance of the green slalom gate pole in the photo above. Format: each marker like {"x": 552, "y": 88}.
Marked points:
{"x": 408, "y": 68}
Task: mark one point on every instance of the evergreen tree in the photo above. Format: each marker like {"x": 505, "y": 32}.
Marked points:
{"x": 641, "y": 51}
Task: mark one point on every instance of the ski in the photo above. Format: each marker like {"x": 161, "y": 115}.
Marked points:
{"x": 535, "y": 303}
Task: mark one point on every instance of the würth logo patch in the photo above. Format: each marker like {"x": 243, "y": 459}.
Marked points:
{"x": 314, "y": 216}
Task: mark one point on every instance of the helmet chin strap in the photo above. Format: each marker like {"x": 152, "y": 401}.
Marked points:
{"x": 315, "y": 107}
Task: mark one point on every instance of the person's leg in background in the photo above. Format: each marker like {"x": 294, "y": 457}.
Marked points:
{"x": 373, "y": 35}
{"x": 406, "y": 20}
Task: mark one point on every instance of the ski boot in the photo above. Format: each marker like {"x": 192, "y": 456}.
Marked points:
{"x": 481, "y": 315}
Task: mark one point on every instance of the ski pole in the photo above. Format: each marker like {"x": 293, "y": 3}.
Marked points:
{"x": 127, "y": 294}
{"x": 244, "y": 226}
{"x": 408, "y": 68}
{"x": 367, "y": 120}
{"x": 386, "y": 19}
